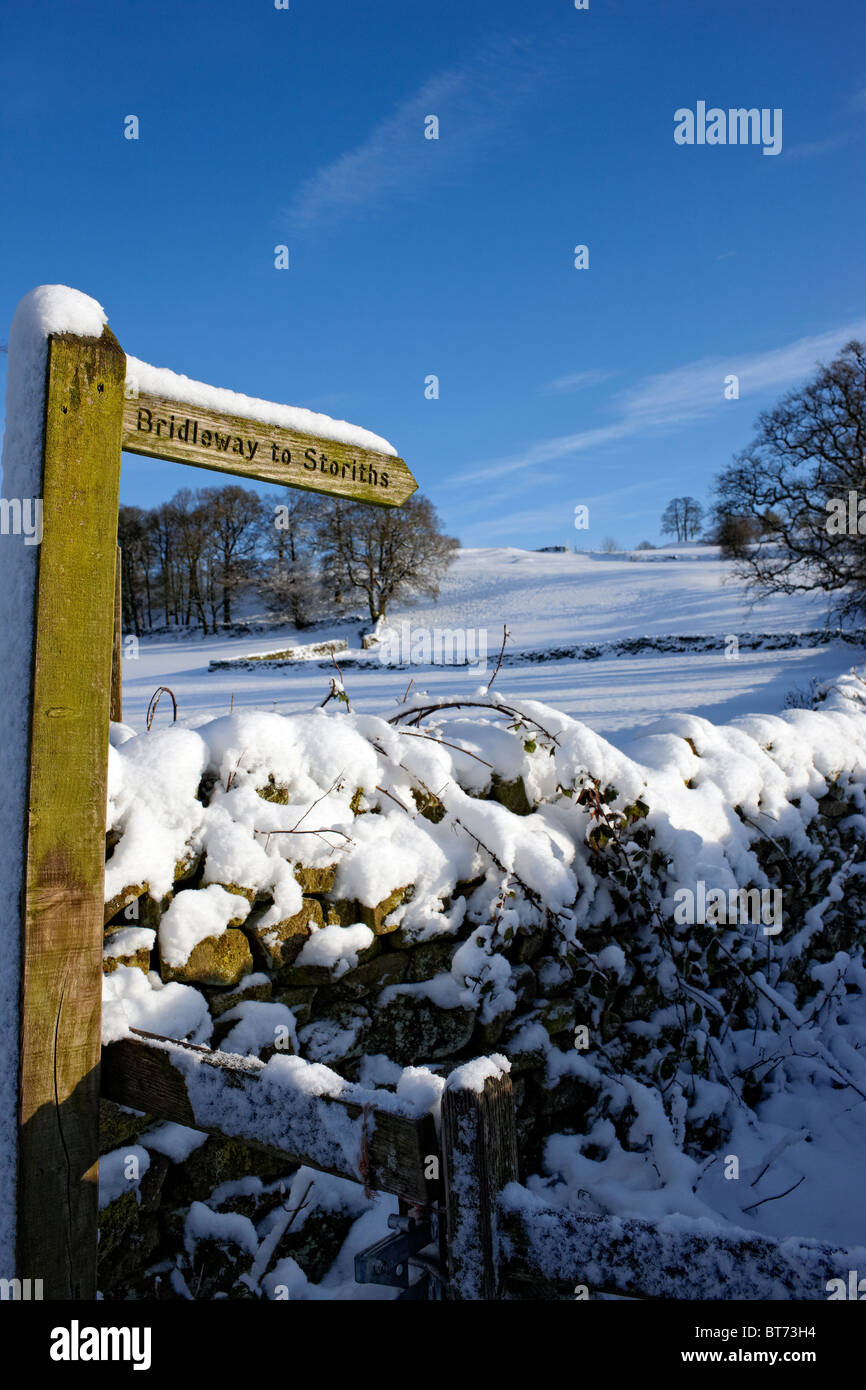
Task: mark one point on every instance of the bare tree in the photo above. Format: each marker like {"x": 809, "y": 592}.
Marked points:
{"x": 733, "y": 532}
{"x": 382, "y": 553}
{"x": 233, "y": 517}
{"x": 163, "y": 526}
{"x": 802, "y": 480}
{"x": 683, "y": 518}
{"x": 194, "y": 547}
{"x": 672, "y": 519}
{"x": 138, "y": 553}
{"x": 290, "y": 579}
{"x": 693, "y": 518}
{"x": 609, "y": 545}
{"x": 192, "y": 555}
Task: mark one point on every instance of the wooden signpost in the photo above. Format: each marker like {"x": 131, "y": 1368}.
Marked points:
{"x": 167, "y": 429}
{"x": 88, "y": 421}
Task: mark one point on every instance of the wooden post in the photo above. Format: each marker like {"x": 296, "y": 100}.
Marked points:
{"x": 479, "y": 1148}
{"x": 65, "y": 844}
{"x": 116, "y": 653}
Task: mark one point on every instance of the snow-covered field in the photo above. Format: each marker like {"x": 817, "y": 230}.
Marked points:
{"x": 546, "y": 600}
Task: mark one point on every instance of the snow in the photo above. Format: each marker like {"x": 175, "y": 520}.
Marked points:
{"x": 177, "y": 1142}
{"x": 336, "y": 948}
{"x": 131, "y": 999}
{"x": 127, "y": 941}
{"x": 549, "y": 602}
{"x": 471, "y": 1076}
{"x": 421, "y": 1089}
{"x": 711, "y": 1260}
{"x": 152, "y": 786}
{"x": 280, "y": 1102}
{"x": 45, "y": 310}
{"x": 113, "y": 1169}
{"x": 224, "y": 1227}
{"x": 52, "y": 309}
{"x": 193, "y": 916}
{"x": 612, "y": 714}
{"x": 259, "y": 1025}
{"x": 287, "y": 1279}
{"x": 160, "y": 381}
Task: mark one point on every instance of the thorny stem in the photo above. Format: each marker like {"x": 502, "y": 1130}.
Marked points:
{"x": 411, "y": 733}
{"x": 505, "y": 636}
{"x": 754, "y": 1205}
{"x": 598, "y": 811}
{"x": 415, "y": 715}
{"x": 154, "y": 702}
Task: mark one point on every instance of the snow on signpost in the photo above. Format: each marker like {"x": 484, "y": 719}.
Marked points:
{"x": 167, "y": 416}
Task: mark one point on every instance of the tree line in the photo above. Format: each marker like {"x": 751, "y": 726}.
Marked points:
{"x": 186, "y": 562}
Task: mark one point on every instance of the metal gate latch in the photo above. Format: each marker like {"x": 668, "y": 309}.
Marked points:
{"x": 391, "y": 1259}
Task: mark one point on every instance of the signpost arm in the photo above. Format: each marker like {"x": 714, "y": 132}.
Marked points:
{"x": 65, "y": 835}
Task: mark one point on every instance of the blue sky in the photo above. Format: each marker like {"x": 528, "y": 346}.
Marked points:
{"x": 411, "y": 257}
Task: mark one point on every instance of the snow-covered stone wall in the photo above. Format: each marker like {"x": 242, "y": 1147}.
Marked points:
{"x": 635, "y": 935}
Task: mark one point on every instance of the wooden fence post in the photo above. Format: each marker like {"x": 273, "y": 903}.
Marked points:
{"x": 65, "y": 835}
{"x": 479, "y": 1149}
{"x": 116, "y": 652}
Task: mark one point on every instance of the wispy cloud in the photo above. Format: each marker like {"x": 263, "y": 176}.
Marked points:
{"x": 474, "y": 101}
{"x": 668, "y": 401}
{"x": 560, "y": 514}
{"x": 575, "y": 381}
{"x": 557, "y": 514}
{"x": 696, "y": 390}
{"x": 812, "y": 148}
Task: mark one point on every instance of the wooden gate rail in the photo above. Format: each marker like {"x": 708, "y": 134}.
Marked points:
{"x": 497, "y": 1239}
{"x": 673, "y": 1258}
{"x": 153, "y": 1074}
{"x": 458, "y": 1177}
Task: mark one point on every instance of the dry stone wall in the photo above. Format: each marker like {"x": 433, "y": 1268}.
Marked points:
{"x": 379, "y": 896}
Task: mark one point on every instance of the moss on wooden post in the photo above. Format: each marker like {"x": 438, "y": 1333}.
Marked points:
{"x": 116, "y": 652}
{"x": 64, "y": 873}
